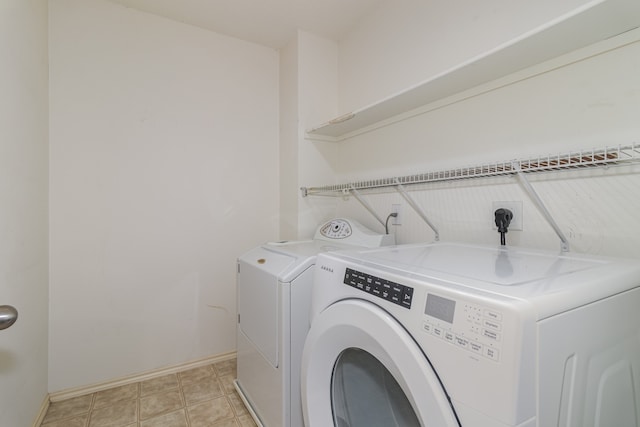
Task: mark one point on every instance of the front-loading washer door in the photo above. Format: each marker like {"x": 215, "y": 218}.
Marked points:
{"x": 360, "y": 368}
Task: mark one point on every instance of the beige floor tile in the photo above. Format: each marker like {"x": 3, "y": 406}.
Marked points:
{"x": 206, "y": 413}
{"x": 115, "y": 395}
{"x": 172, "y": 419}
{"x": 237, "y": 404}
{"x": 68, "y": 408}
{"x": 80, "y": 421}
{"x": 226, "y": 367}
{"x": 226, "y": 423}
{"x": 160, "y": 384}
{"x": 121, "y": 414}
{"x": 199, "y": 397}
{"x": 160, "y": 403}
{"x": 196, "y": 374}
{"x": 227, "y": 383}
{"x": 246, "y": 421}
{"x": 205, "y": 389}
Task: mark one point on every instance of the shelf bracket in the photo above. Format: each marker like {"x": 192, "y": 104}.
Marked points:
{"x": 366, "y": 204}
{"x": 564, "y": 243}
{"x": 416, "y": 207}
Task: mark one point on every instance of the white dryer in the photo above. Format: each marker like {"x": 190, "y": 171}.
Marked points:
{"x": 470, "y": 336}
{"x": 273, "y": 296}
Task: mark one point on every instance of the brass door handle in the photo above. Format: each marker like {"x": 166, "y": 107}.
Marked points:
{"x": 8, "y": 316}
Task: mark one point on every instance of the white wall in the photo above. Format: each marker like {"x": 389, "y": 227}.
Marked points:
{"x": 308, "y": 82}
{"x": 289, "y": 141}
{"x": 317, "y": 80}
{"x": 404, "y": 42}
{"x": 23, "y": 208}
{"x": 164, "y": 168}
{"x": 590, "y": 103}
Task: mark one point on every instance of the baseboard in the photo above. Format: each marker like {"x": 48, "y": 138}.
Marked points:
{"x": 42, "y": 412}
{"x": 80, "y": 391}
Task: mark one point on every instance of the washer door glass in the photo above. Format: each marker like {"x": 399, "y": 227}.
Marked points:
{"x": 365, "y": 394}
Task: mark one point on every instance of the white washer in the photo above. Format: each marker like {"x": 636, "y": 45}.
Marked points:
{"x": 273, "y": 295}
{"x": 461, "y": 335}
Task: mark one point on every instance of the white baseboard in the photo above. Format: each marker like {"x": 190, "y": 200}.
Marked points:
{"x": 80, "y": 391}
{"x": 42, "y": 412}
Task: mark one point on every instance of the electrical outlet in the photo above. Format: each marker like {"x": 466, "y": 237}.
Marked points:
{"x": 398, "y": 210}
{"x": 516, "y": 210}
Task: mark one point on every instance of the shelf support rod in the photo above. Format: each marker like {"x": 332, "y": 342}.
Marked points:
{"x": 564, "y": 243}
{"x": 416, "y": 207}
{"x": 366, "y": 204}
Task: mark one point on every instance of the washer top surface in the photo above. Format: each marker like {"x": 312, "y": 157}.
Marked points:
{"x": 500, "y": 266}
{"x": 554, "y": 281}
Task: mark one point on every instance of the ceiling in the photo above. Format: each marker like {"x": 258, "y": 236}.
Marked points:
{"x": 271, "y": 23}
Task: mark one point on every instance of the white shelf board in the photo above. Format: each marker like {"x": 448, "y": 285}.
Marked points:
{"x": 595, "y": 21}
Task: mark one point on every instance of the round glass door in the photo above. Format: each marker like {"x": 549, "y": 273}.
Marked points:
{"x": 360, "y": 368}
{"x": 365, "y": 394}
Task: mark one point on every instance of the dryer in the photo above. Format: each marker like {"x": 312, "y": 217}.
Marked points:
{"x": 459, "y": 335}
{"x": 274, "y": 284}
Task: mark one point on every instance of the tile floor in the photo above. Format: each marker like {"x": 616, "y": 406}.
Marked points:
{"x": 198, "y": 397}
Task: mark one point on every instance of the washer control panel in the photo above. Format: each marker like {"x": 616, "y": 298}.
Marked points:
{"x": 351, "y": 232}
{"x": 336, "y": 229}
{"x": 472, "y": 327}
{"x": 386, "y": 289}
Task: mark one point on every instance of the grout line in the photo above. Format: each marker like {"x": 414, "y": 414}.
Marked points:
{"x": 91, "y": 406}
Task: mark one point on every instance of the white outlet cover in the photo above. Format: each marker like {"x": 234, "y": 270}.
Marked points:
{"x": 515, "y": 207}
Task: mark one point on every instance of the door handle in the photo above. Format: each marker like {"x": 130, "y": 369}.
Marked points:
{"x": 8, "y": 316}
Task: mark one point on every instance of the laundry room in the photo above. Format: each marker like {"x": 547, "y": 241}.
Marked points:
{"x": 144, "y": 152}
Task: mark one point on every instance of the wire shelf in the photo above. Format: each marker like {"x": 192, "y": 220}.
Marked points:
{"x": 573, "y": 160}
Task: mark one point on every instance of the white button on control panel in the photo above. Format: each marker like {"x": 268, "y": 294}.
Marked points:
{"x": 462, "y": 342}
{"x": 467, "y": 326}
{"x": 449, "y": 336}
{"x": 476, "y": 347}
{"x": 492, "y": 353}
{"x": 493, "y": 315}
{"x": 492, "y": 324}
{"x": 491, "y": 334}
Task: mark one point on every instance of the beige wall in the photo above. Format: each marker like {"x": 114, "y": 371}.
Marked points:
{"x": 23, "y": 208}
{"x": 164, "y": 169}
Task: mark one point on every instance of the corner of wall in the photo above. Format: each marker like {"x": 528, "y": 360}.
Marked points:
{"x": 288, "y": 146}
